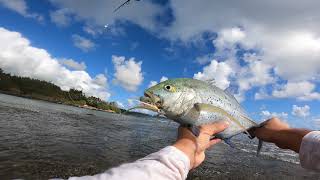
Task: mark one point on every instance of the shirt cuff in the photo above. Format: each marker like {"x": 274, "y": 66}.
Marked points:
{"x": 309, "y": 152}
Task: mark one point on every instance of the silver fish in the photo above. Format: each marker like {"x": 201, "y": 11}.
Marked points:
{"x": 192, "y": 103}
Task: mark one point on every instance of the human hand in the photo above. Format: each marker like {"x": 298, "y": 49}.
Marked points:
{"x": 268, "y": 130}
{"x": 194, "y": 147}
{"x": 278, "y": 132}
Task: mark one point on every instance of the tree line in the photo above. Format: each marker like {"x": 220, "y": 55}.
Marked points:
{"x": 43, "y": 90}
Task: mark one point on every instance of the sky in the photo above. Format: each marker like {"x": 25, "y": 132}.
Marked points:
{"x": 267, "y": 52}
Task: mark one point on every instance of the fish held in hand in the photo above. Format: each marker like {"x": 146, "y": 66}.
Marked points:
{"x": 193, "y": 103}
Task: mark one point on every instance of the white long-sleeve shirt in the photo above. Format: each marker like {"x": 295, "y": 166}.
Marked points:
{"x": 309, "y": 152}
{"x": 172, "y": 164}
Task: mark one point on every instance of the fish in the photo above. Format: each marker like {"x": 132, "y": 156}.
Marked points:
{"x": 192, "y": 103}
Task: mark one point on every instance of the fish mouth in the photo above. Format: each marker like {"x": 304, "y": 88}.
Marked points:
{"x": 151, "y": 99}
{"x": 150, "y": 102}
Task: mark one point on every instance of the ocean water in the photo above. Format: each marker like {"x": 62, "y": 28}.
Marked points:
{"x": 41, "y": 140}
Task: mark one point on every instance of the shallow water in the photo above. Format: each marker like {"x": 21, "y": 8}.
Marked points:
{"x": 40, "y": 140}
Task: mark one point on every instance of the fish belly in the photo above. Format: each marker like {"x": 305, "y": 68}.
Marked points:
{"x": 237, "y": 124}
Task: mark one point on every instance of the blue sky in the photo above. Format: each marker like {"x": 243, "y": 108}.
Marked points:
{"x": 267, "y": 51}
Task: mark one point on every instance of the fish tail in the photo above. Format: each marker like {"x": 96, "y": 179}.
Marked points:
{"x": 228, "y": 141}
{"x": 259, "y": 147}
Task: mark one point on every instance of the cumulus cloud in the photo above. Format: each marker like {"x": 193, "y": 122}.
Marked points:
{"x": 288, "y": 46}
{"x": 152, "y": 83}
{"x": 127, "y": 72}
{"x": 163, "y": 78}
{"x": 228, "y": 39}
{"x": 302, "y": 111}
{"x": 20, "y": 7}
{"x": 258, "y": 69}
{"x": 82, "y": 43}
{"x": 303, "y": 90}
{"x": 217, "y": 71}
{"x": 70, "y": 63}
{"x": 270, "y": 29}
{"x": 19, "y": 57}
{"x": 204, "y": 59}
{"x": 267, "y": 114}
{"x": 255, "y": 73}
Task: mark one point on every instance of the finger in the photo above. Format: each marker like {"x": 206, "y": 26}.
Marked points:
{"x": 213, "y": 142}
{"x": 214, "y": 128}
{"x": 252, "y": 131}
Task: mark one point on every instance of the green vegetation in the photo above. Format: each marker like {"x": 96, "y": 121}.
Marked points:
{"x": 42, "y": 90}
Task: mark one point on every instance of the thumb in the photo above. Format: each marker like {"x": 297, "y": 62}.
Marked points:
{"x": 214, "y": 128}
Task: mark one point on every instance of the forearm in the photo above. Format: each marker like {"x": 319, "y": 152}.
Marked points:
{"x": 290, "y": 138}
{"x": 168, "y": 163}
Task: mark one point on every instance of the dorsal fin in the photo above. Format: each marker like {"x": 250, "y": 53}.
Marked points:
{"x": 230, "y": 91}
{"x": 211, "y": 81}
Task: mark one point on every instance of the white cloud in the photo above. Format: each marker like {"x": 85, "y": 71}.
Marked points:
{"x": 82, "y": 43}
{"x": 61, "y": 17}
{"x": 303, "y": 90}
{"x": 20, "y": 6}
{"x": 19, "y": 57}
{"x": 152, "y": 83}
{"x": 267, "y": 114}
{"x": 302, "y": 111}
{"x": 288, "y": 45}
{"x": 100, "y": 13}
{"x": 204, "y": 59}
{"x": 261, "y": 94}
{"x": 217, "y": 71}
{"x": 317, "y": 122}
{"x": 255, "y": 73}
{"x": 228, "y": 38}
{"x": 70, "y": 63}
{"x": 163, "y": 78}
{"x": 252, "y": 73}
{"x": 127, "y": 72}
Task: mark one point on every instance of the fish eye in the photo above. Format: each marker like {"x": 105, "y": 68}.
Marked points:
{"x": 169, "y": 88}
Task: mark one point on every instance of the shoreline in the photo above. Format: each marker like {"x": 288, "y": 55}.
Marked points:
{"x": 28, "y": 96}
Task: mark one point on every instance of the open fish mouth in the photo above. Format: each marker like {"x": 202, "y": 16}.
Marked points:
{"x": 150, "y": 102}
{"x": 151, "y": 99}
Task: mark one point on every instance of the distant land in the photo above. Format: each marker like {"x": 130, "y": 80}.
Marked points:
{"x": 42, "y": 90}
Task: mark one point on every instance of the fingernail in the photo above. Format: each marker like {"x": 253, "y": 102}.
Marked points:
{"x": 226, "y": 123}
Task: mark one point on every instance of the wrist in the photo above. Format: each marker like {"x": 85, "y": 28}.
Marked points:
{"x": 188, "y": 147}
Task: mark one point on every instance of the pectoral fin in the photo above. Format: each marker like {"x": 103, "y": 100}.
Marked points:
{"x": 210, "y": 108}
